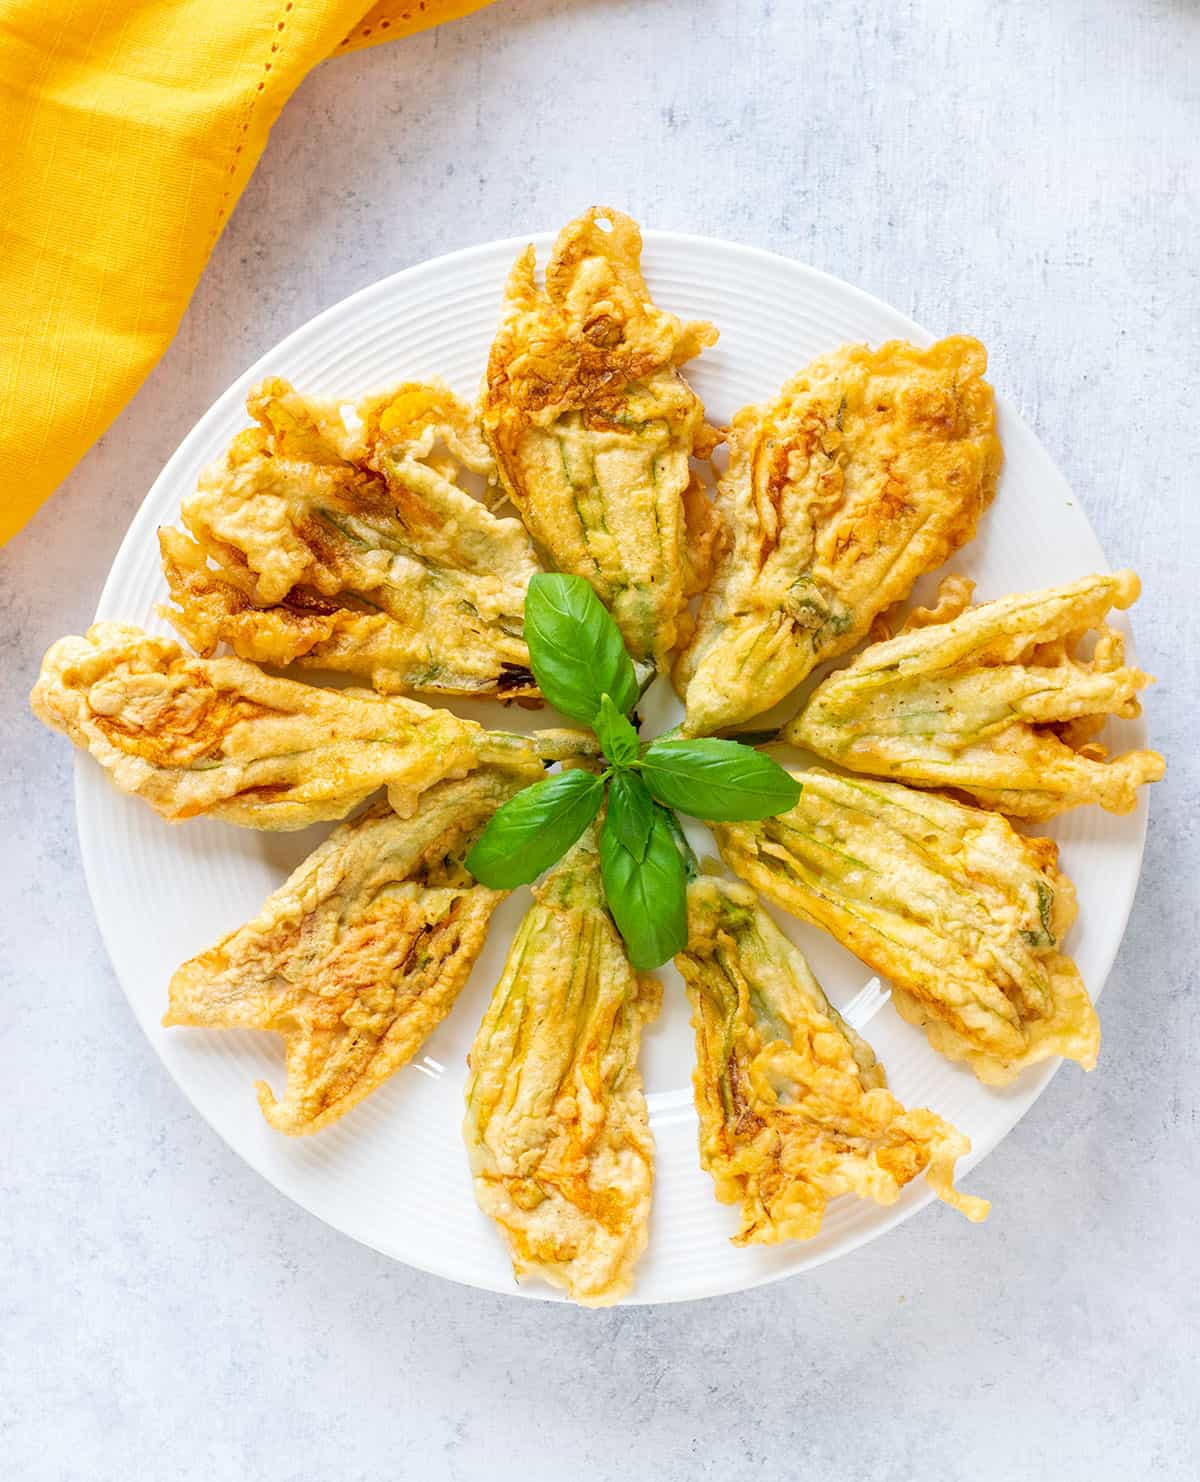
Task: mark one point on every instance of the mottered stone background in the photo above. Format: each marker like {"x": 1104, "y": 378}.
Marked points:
{"x": 1025, "y": 172}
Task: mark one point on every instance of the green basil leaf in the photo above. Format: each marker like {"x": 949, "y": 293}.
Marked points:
{"x": 535, "y": 829}
{"x": 717, "y": 780}
{"x": 617, "y": 737}
{"x": 647, "y": 897}
{"x": 630, "y": 812}
{"x": 575, "y": 649}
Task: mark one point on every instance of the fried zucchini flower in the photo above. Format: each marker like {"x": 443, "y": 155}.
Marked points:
{"x": 357, "y": 552}
{"x": 793, "y": 1104}
{"x": 556, "y": 1126}
{"x": 871, "y": 468}
{"x": 961, "y": 913}
{"x": 219, "y": 737}
{"x": 592, "y": 426}
{"x": 359, "y": 956}
{"x": 995, "y": 702}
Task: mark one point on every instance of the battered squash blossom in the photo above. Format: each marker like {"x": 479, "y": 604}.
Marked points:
{"x": 218, "y": 737}
{"x": 356, "y": 551}
{"x": 593, "y": 427}
{"x": 367, "y": 540}
{"x": 961, "y": 913}
{"x": 793, "y": 1105}
{"x": 556, "y": 1126}
{"x": 359, "y": 956}
{"x": 871, "y": 468}
{"x": 995, "y": 702}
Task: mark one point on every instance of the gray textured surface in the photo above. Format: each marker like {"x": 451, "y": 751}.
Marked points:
{"x": 1022, "y": 171}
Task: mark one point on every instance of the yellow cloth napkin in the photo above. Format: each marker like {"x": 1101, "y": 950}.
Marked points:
{"x": 128, "y": 129}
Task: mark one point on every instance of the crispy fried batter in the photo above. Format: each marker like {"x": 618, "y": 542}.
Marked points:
{"x": 706, "y": 539}
{"x": 954, "y": 594}
{"x": 556, "y": 1126}
{"x": 219, "y": 737}
{"x": 356, "y": 551}
{"x": 420, "y": 422}
{"x": 872, "y": 467}
{"x": 793, "y": 1104}
{"x": 964, "y": 915}
{"x": 593, "y": 425}
{"x": 995, "y": 703}
{"x": 359, "y": 956}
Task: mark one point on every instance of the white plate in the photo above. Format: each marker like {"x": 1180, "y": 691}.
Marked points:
{"x": 393, "y": 1173}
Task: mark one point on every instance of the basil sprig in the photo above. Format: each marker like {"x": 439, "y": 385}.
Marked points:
{"x": 582, "y": 668}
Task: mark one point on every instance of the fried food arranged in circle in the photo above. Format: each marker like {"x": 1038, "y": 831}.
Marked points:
{"x": 870, "y": 469}
{"x": 219, "y": 737}
{"x": 793, "y": 1105}
{"x": 996, "y": 702}
{"x": 372, "y": 541}
{"x": 556, "y": 1128}
{"x": 358, "y": 956}
{"x": 358, "y": 552}
{"x": 964, "y": 916}
{"x": 593, "y": 426}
